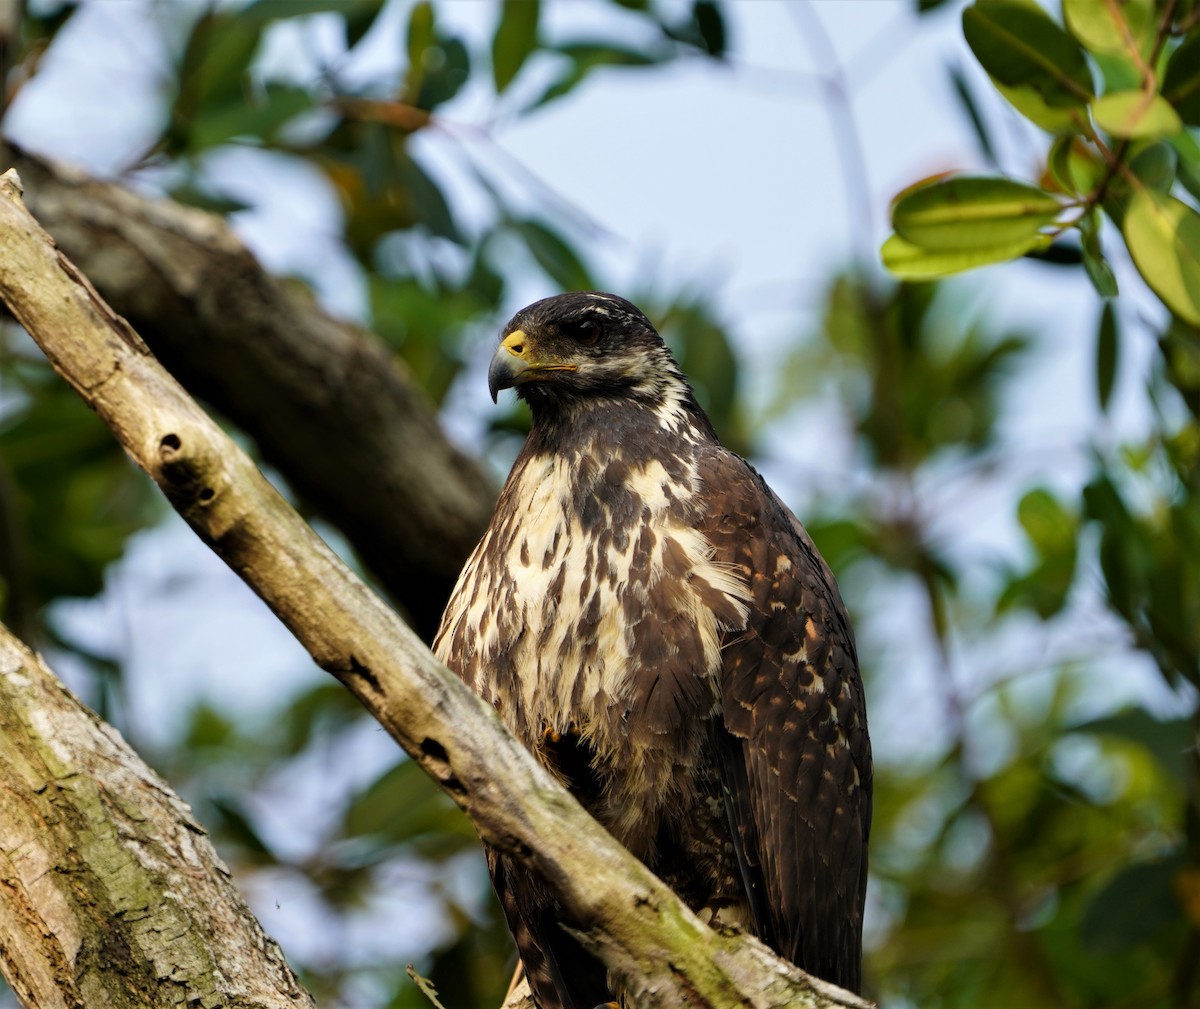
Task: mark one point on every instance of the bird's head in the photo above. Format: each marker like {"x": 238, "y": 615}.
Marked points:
{"x": 585, "y": 346}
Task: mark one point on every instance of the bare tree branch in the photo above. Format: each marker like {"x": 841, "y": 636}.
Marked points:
{"x": 110, "y": 893}
{"x": 325, "y": 400}
{"x": 657, "y": 948}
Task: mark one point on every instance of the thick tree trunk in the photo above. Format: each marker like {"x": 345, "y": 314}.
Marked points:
{"x": 110, "y": 893}
{"x": 662, "y": 954}
{"x": 326, "y": 402}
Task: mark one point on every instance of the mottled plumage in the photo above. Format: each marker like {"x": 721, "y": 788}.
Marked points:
{"x": 654, "y": 624}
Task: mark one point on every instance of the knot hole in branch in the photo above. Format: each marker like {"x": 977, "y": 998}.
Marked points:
{"x": 437, "y": 762}
{"x": 182, "y": 477}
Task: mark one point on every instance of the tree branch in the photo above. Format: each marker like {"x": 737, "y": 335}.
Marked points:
{"x": 656, "y": 947}
{"x": 327, "y": 403}
{"x": 104, "y": 874}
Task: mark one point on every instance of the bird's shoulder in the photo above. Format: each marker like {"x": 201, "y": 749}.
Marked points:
{"x": 797, "y": 649}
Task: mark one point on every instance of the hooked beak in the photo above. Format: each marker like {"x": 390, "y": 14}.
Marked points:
{"x": 512, "y": 364}
{"x": 508, "y": 363}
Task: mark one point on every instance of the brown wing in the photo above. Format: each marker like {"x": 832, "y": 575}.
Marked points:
{"x": 560, "y": 972}
{"x": 797, "y": 772}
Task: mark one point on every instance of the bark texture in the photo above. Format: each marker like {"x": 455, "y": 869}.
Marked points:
{"x": 110, "y": 893}
{"x": 660, "y": 951}
{"x": 326, "y": 402}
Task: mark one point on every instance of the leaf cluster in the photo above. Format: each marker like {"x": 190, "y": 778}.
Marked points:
{"x": 1117, "y": 85}
{"x": 1068, "y": 858}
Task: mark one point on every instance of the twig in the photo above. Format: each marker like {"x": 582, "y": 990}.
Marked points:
{"x": 844, "y": 126}
{"x": 424, "y": 985}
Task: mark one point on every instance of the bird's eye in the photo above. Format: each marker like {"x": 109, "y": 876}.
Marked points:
{"x": 587, "y": 333}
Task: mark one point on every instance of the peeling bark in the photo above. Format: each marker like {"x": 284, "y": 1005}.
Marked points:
{"x": 661, "y": 953}
{"x": 110, "y": 892}
{"x": 326, "y": 402}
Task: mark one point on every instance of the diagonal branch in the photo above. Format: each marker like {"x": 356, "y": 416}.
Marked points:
{"x": 651, "y": 942}
{"x": 326, "y": 402}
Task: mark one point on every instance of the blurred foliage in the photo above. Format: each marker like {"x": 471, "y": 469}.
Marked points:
{"x": 1123, "y": 150}
{"x": 69, "y": 501}
{"x": 1088, "y": 835}
{"x": 1035, "y": 853}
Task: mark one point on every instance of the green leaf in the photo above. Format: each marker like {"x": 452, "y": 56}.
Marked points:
{"x": 1167, "y": 741}
{"x": 1046, "y": 522}
{"x": 1133, "y": 908}
{"x": 516, "y": 37}
{"x": 590, "y": 55}
{"x": 1156, "y": 166}
{"x": 710, "y": 25}
{"x": 429, "y": 204}
{"x": 912, "y": 262}
{"x": 403, "y": 805}
{"x": 1061, "y": 253}
{"x": 1098, "y": 270}
{"x": 327, "y": 707}
{"x": 1106, "y": 355}
{"x": 1180, "y": 346}
{"x": 1181, "y": 83}
{"x": 1034, "y": 108}
{"x": 447, "y": 68}
{"x": 1074, "y": 165}
{"x": 236, "y": 826}
{"x": 967, "y": 212}
{"x": 1020, "y": 46}
{"x": 703, "y": 29}
{"x": 1108, "y": 27}
{"x": 208, "y": 727}
{"x": 967, "y": 101}
{"x": 1118, "y": 72}
{"x": 554, "y": 255}
{"x": 438, "y": 65}
{"x": 213, "y": 76}
{"x": 259, "y": 118}
{"x": 420, "y": 37}
{"x": 214, "y": 203}
{"x": 359, "y": 14}
{"x": 1163, "y": 235}
{"x": 77, "y": 499}
{"x": 1187, "y": 170}
{"x": 216, "y": 59}
{"x": 586, "y": 57}
{"x": 1135, "y": 114}
{"x": 1052, "y": 531}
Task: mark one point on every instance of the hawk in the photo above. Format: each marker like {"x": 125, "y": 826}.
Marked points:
{"x": 654, "y": 624}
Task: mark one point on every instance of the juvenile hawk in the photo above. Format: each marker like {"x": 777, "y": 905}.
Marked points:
{"x": 656, "y": 626}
